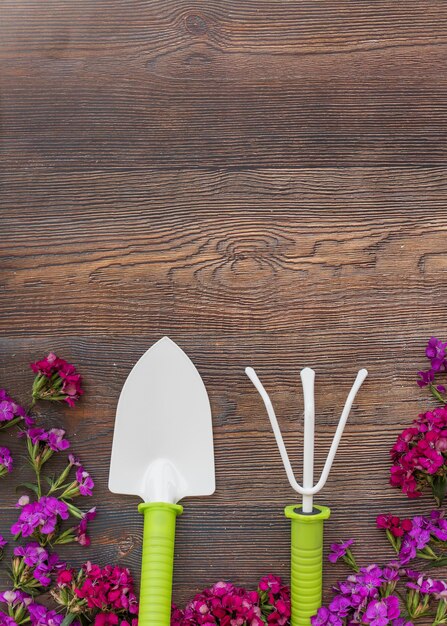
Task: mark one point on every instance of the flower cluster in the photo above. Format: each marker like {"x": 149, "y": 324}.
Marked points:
{"x": 424, "y": 537}
{"x": 56, "y": 379}
{"x": 419, "y": 456}
{"x": 5, "y": 461}
{"x": 33, "y": 567}
{"x": 104, "y": 596}
{"x": 365, "y": 597}
{"x": 274, "y": 599}
{"x": 384, "y": 596}
{"x": 227, "y": 605}
{"x": 22, "y": 609}
{"x": 40, "y": 517}
{"x": 11, "y": 413}
{"x": 436, "y": 354}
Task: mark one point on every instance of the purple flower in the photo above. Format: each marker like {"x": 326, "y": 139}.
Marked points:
{"x": 425, "y": 378}
{"x": 10, "y": 409}
{"x": 15, "y": 597}
{"x": 438, "y": 525}
{"x": 339, "y": 550}
{"x": 41, "y": 616}
{"x": 427, "y": 585}
{"x": 381, "y": 612}
{"x": 36, "y": 435}
{"x": 5, "y": 461}
{"x": 435, "y": 352}
{"x": 41, "y": 515}
{"x": 407, "y": 551}
{"x": 324, "y": 617}
{"x": 371, "y": 576}
{"x": 6, "y": 411}
{"x": 420, "y": 532}
{"x": 3, "y": 542}
{"x": 390, "y": 573}
{"x": 85, "y": 482}
{"x": 56, "y": 439}
{"x": 44, "y": 563}
{"x": 340, "y": 605}
{"x": 5, "y": 620}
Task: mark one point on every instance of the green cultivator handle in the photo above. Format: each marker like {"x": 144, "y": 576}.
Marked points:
{"x": 306, "y": 562}
{"x": 157, "y": 562}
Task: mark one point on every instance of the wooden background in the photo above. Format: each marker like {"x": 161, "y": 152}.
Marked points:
{"x": 265, "y": 182}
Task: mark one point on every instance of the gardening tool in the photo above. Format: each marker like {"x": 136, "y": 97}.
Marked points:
{"x": 307, "y": 520}
{"x": 162, "y": 451}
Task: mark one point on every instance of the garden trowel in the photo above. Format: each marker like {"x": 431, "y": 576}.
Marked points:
{"x": 162, "y": 451}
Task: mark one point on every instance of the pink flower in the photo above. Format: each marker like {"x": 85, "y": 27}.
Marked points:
{"x": 419, "y": 455}
{"x": 109, "y": 589}
{"x": 64, "y": 577}
{"x": 393, "y": 523}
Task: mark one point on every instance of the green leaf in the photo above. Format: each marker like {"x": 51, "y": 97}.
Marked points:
{"x": 439, "y": 487}
{"x": 68, "y": 619}
{"x": 74, "y": 510}
{"x": 437, "y": 563}
{"x": 28, "y": 486}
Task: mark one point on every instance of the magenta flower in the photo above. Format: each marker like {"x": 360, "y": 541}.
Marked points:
{"x": 85, "y": 482}
{"x": 435, "y": 352}
{"x": 11, "y": 410}
{"x": 3, "y": 542}
{"x": 54, "y": 438}
{"x": 56, "y": 379}
{"x": 339, "y": 550}
{"x": 5, "y": 461}
{"x": 109, "y": 589}
{"x": 6, "y": 411}
{"x": 81, "y": 530}
{"x": 419, "y": 456}
{"x": 381, "y": 612}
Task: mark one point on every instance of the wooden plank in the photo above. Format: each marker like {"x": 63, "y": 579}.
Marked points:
{"x": 188, "y": 84}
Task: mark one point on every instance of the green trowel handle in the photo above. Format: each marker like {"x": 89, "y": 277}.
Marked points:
{"x": 306, "y": 562}
{"x": 157, "y": 562}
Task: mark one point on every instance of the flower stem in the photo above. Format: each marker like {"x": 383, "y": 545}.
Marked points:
{"x": 436, "y": 394}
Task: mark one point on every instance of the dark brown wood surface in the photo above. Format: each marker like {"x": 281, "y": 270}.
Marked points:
{"x": 264, "y": 182}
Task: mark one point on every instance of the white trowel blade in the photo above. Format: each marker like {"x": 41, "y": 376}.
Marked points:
{"x": 163, "y": 440}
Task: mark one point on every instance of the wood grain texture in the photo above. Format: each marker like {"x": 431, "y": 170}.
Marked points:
{"x": 265, "y": 183}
